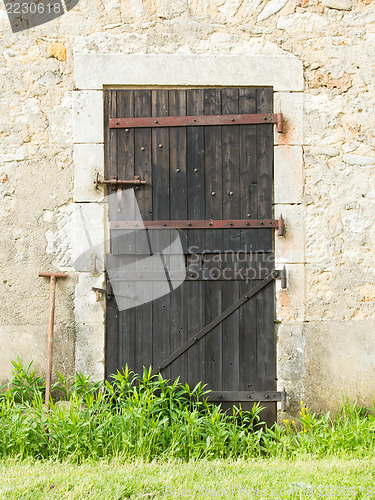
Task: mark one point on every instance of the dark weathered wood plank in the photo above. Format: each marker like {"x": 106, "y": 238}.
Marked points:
{"x": 266, "y": 363}
{"x": 231, "y": 169}
{"x": 214, "y": 239}
{"x": 248, "y": 168}
{"x": 142, "y": 154}
{"x": 125, "y": 170}
{"x": 265, "y": 166}
{"x": 160, "y": 241}
{"x": 195, "y": 168}
{"x": 179, "y": 209}
{"x": 196, "y": 208}
{"x": 231, "y": 238}
{"x": 110, "y": 166}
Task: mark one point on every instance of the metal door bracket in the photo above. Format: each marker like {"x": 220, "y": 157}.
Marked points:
{"x": 281, "y": 275}
{"x": 116, "y": 183}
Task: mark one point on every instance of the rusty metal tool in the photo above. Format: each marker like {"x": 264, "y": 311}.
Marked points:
{"x": 51, "y": 322}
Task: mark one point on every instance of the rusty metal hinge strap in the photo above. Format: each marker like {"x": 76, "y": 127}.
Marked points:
{"x": 199, "y": 120}
{"x": 193, "y": 340}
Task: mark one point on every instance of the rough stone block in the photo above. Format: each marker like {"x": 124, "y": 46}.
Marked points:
{"x": 89, "y": 351}
{"x": 290, "y": 303}
{"x": 288, "y": 182}
{"x": 291, "y": 358}
{"x": 88, "y": 160}
{"x": 340, "y": 363}
{"x": 291, "y": 247}
{"x": 86, "y": 309}
{"x": 88, "y": 117}
{"x": 92, "y": 71}
{"x": 338, "y": 4}
{"x": 88, "y": 237}
{"x": 291, "y": 105}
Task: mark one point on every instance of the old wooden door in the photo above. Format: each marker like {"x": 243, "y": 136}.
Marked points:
{"x": 198, "y": 176}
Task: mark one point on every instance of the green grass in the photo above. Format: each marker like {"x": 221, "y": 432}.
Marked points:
{"x": 254, "y": 478}
{"x": 146, "y": 423}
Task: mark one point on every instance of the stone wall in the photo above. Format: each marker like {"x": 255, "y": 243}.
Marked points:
{"x": 325, "y": 319}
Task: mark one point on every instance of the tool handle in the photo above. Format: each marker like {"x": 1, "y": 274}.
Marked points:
{"x": 50, "y": 275}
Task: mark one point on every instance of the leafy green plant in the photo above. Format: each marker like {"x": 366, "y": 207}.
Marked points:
{"x": 148, "y": 417}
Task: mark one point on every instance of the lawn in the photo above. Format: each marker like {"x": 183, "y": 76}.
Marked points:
{"x": 256, "y": 478}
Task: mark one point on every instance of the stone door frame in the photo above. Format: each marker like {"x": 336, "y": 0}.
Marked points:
{"x": 94, "y": 72}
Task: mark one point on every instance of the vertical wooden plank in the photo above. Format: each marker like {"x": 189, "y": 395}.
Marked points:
{"x": 265, "y": 166}
{"x": 214, "y": 239}
{"x": 125, "y": 170}
{"x": 160, "y": 211}
{"x": 266, "y": 363}
{"x": 248, "y": 169}
{"x": 231, "y": 169}
{"x": 231, "y": 210}
{"x": 196, "y": 210}
{"x": 195, "y": 168}
{"x": 110, "y": 166}
{"x": 142, "y": 155}
{"x": 178, "y": 210}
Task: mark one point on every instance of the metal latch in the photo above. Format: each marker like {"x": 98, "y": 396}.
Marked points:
{"x": 281, "y": 275}
{"x": 116, "y": 183}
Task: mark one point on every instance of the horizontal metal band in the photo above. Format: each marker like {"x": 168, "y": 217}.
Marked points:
{"x": 242, "y": 396}
{"x": 196, "y": 224}
{"x": 194, "y": 121}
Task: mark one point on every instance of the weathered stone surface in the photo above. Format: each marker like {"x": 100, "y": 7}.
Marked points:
{"x": 87, "y": 117}
{"x": 338, "y": 4}
{"x": 271, "y": 8}
{"x": 291, "y": 105}
{"x": 329, "y": 375}
{"x": 291, "y": 247}
{"x": 288, "y": 182}
{"x": 362, "y": 161}
{"x": 88, "y": 161}
{"x": 88, "y": 237}
{"x": 290, "y": 305}
{"x": 92, "y": 71}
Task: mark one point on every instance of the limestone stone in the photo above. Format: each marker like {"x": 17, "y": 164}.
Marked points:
{"x": 92, "y": 71}
{"x": 271, "y": 8}
{"x": 87, "y": 117}
{"x": 288, "y": 174}
{"x": 290, "y": 248}
{"x": 291, "y": 355}
{"x": 58, "y": 51}
{"x": 290, "y": 304}
{"x": 362, "y": 161}
{"x": 329, "y": 375}
{"x": 88, "y": 237}
{"x": 89, "y": 351}
{"x": 338, "y": 4}
{"x": 291, "y": 105}
{"x": 88, "y": 161}
{"x": 87, "y": 310}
